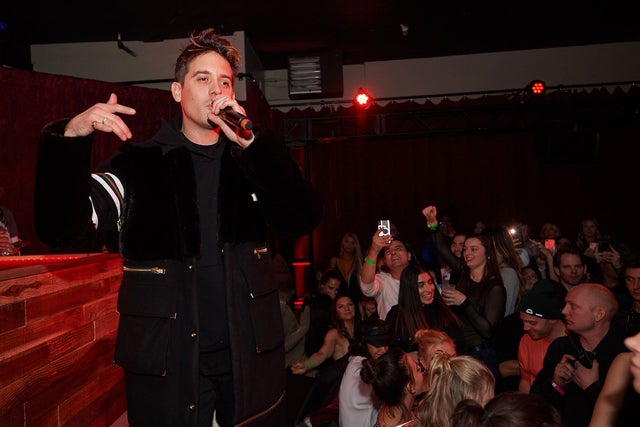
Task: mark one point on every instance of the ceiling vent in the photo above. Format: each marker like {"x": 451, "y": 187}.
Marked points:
{"x": 315, "y": 76}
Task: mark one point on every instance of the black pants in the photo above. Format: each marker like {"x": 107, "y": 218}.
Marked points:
{"x": 216, "y": 389}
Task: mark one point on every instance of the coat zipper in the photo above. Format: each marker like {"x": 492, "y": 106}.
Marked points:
{"x": 154, "y": 270}
{"x": 258, "y": 252}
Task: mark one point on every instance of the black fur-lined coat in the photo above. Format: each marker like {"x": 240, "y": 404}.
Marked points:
{"x": 261, "y": 187}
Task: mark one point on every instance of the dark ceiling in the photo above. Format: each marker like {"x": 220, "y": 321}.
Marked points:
{"x": 361, "y": 30}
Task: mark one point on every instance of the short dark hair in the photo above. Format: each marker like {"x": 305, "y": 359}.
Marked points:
{"x": 570, "y": 251}
{"x": 632, "y": 261}
{"x": 328, "y": 275}
{"x": 203, "y": 42}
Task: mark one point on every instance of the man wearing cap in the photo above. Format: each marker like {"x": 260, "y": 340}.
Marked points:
{"x": 541, "y": 314}
{"x": 576, "y": 364}
{"x": 356, "y": 403}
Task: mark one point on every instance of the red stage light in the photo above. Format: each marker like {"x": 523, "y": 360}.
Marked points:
{"x": 536, "y": 87}
{"x": 362, "y": 99}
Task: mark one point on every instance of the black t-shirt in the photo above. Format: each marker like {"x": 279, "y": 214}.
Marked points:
{"x": 212, "y": 305}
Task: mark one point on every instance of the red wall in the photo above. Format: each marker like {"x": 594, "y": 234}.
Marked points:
{"x": 499, "y": 176}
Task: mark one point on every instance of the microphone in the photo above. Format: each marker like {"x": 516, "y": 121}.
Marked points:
{"x": 235, "y": 119}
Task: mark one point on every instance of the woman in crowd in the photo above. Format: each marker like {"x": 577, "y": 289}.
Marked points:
{"x": 510, "y": 409}
{"x": 589, "y": 236}
{"x": 431, "y": 342}
{"x": 368, "y": 307}
{"x": 452, "y": 379}
{"x": 358, "y": 406}
{"x": 530, "y": 276}
{"x": 332, "y": 357}
{"x": 420, "y": 305}
{"x": 479, "y": 299}
{"x": 509, "y": 263}
{"x": 347, "y": 264}
{"x": 396, "y": 379}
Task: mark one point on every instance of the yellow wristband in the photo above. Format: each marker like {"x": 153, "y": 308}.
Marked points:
{"x": 368, "y": 261}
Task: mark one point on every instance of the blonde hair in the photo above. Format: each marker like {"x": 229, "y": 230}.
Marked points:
{"x": 452, "y": 379}
{"x": 426, "y": 338}
{"x": 357, "y": 254}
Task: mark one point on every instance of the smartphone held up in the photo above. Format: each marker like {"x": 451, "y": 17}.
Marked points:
{"x": 551, "y": 245}
{"x": 516, "y": 236}
{"x": 384, "y": 225}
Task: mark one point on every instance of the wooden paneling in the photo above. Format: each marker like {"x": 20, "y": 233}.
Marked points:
{"x": 56, "y": 344}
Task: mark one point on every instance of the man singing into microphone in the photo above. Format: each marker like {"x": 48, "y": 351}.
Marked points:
{"x": 200, "y": 327}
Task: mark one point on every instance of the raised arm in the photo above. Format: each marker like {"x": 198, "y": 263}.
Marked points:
{"x": 101, "y": 117}
{"x": 66, "y": 195}
{"x": 368, "y": 270}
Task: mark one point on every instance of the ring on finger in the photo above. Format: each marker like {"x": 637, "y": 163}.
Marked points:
{"x": 93, "y": 124}
{"x": 104, "y": 119}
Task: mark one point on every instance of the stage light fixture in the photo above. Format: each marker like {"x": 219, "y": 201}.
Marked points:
{"x": 362, "y": 99}
{"x": 536, "y": 87}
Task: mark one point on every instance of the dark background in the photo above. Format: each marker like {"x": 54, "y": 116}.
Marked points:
{"x": 573, "y": 155}
{"x": 359, "y": 30}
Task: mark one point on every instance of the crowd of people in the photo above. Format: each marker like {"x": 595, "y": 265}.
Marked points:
{"x": 388, "y": 339}
{"x": 492, "y": 327}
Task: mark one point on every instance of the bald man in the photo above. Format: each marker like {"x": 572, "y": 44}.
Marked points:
{"x": 576, "y": 365}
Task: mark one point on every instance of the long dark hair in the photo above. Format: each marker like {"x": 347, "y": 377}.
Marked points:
{"x": 412, "y": 315}
{"x": 491, "y": 271}
{"x": 339, "y": 323}
{"x": 388, "y": 375}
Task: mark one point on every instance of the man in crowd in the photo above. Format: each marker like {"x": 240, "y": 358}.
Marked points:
{"x": 385, "y": 285}
{"x": 541, "y": 315}
{"x": 576, "y": 365}
{"x": 628, "y": 318}
{"x": 570, "y": 267}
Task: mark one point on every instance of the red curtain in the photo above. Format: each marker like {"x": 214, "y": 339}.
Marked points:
{"x": 516, "y": 173}
{"x": 30, "y": 100}
{"x": 578, "y": 162}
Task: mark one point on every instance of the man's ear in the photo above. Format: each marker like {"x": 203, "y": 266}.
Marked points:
{"x": 176, "y": 91}
{"x": 599, "y": 313}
